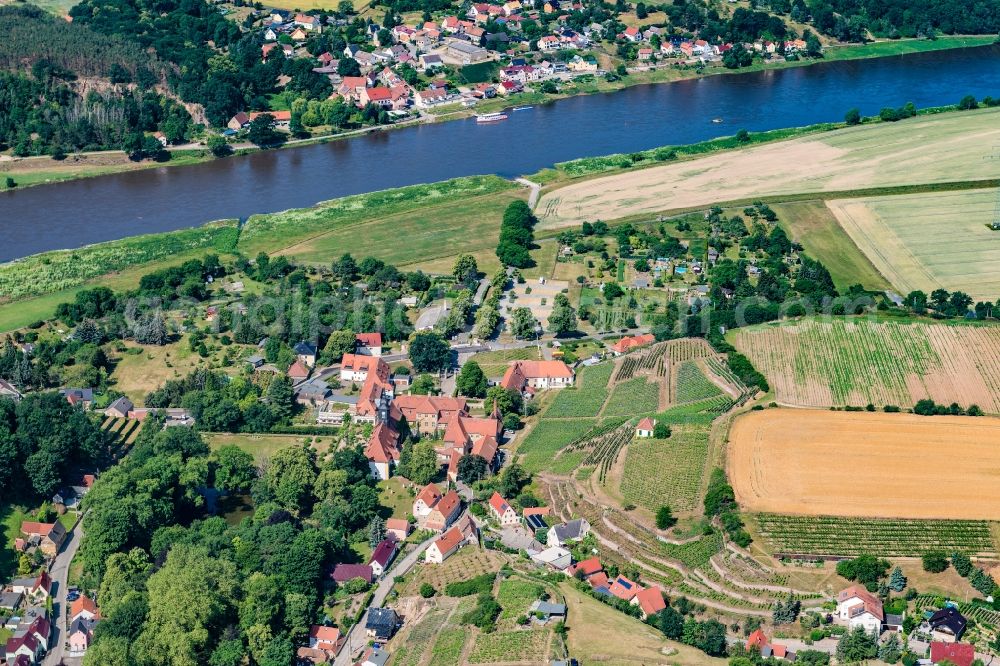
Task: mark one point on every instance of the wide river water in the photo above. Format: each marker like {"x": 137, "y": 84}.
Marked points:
{"x": 75, "y": 213}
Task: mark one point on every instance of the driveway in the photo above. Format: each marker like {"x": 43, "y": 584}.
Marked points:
{"x": 59, "y": 574}
{"x": 356, "y": 639}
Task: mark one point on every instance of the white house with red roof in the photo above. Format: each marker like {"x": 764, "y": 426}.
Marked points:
{"x": 444, "y": 546}
{"x": 632, "y": 34}
{"x": 959, "y": 654}
{"x": 382, "y": 451}
{"x": 428, "y": 496}
{"x": 645, "y": 428}
{"x": 444, "y": 512}
{"x": 502, "y": 511}
{"x": 624, "y": 589}
{"x": 650, "y": 601}
{"x": 356, "y": 367}
{"x": 857, "y": 607}
{"x": 382, "y": 556}
{"x": 368, "y": 344}
{"x": 526, "y": 377}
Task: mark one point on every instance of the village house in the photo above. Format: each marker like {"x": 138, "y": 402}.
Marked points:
{"x": 526, "y": 377}
{"x": 427, "y": 99}
{"x": 758, "y": 642}
{"x": 946, "y": 625}
{"x": 629, "y": 343}
{"x": 368, "y": 344}
{"x": 30, "y": 641}
{"x": 397, "y": 528}
{"x": 379, "y": 96}
{"x": 47, "y": 537}
{"x": 564, "y": 533}
{"x": 632, "y": 34}
{"x": 82, "y": 397}
{"x": 645, "y": 428}
{"x": 356, "y": 367}
{"x": 343, "y": 573}
{"x": 623, "y": 588}
{"x": 382, "y": 556}
{"x": 444, "y": 546}
{"x": 650, "y": 601}
{"x": 382, "y": 451}
{"x": 375, "y": 657}
{"x": 556, "y": 557}
{"x": 547, "y": 610}
{"x": 430, "y": 61}
{"x": 382, "y": 623}
{"x": 120, "y": 408}
{"x": 306, "y": 352}
{"x": 857, "y": 607}
{"x": 324, "y": 644}
{"x": 503, "y": 512}
{"x": 956, "y": 654}
{"x": 298, "y": 372}
{"x": 435, "y": 511}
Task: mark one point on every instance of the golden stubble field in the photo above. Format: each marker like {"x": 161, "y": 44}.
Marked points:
{"x": 927, "y": 149}
{"x": 928, "y": 241}
{"x": 870, "y": 464}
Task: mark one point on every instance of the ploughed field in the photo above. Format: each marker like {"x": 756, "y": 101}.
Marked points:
{"x": 814, "y": 363}
{"x": 866, "y": 464}
{"x": 928, "y": 241}
{"x": 927, "y": 149}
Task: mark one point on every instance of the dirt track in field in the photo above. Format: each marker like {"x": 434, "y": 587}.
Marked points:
{"x": 929, "y": 149}
{"x": 812, "y": 462}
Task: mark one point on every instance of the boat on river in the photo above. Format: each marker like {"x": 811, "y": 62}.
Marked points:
{"x": 491, "y": 117}
{"x": 523, "y": 108}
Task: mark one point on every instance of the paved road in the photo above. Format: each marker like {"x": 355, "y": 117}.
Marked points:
{"x": 59, "y": 573}
{"x": 356, "y": 638}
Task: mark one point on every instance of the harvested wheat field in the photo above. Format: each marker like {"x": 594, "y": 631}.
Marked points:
{"x": 853, "y": 362}
{"x": 824, "y": 463}
{"x": 926, "y": 149}
{"x": 928, "y": 241}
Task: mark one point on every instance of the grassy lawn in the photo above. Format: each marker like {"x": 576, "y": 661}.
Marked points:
{"x": 394, "y": 495}
{"x": 904, "y": 46}
{"x": 12, "y": 518}
{"x": 813, "y": 225}
{"x": 40, "y": 171}
{"x": 263, "y": 446}
{"x": 494, "y": 363}
{"x": 135, "y": 375}
{"x": 596, "y": 631}
{"x": 434, "y": 220}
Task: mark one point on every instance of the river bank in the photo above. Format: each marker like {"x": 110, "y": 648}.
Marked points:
{"x": 442, "y": 219}
{"x": 33, "y": 171}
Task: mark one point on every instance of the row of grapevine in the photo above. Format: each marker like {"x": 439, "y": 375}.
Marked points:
{"x": 886, "y": 537}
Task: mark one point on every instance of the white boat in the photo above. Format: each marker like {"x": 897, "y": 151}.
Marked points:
{"x": 490, "y": 117}
{"x": 523, "y": 108}
{"x": 716, "y": 120}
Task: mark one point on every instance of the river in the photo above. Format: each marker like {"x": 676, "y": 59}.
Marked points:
{"x": 75, "y": 213}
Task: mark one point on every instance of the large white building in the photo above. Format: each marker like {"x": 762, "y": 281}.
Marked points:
{"x": 858, "y": 607}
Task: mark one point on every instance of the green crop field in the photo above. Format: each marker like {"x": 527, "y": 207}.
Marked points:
{"x": 928, "y": 241}
{"x": 494, "y": 363}
{"x": 860, "y": 361}
{"x": 548, "y": 437}
{"x": 421, "y": 638}
{"x": 515, "y": 596}
{"x": 635, "y": 396}
{"x": 696, "y": 553}
{"x": 441, "y": 219}
{"x": 885, "y": 537}
{"x": 587, "y": 397}
{"x": 813, "y": 225}
{"x": 667, "y": 472}
{"x": 447, "y": 650}
{"x": 510, "y": 646}
{"x": 693, "y": 385}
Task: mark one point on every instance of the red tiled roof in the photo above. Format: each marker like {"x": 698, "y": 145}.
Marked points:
{"x": 960, "y": 654}
{"x": 871, "y": 603}
{"x": 646, "y": 424}
{"x": 398, "y": 524}
{"x": 756, "y": 640}
{"x": 363, "y": 363}
{"x": 378, "y": 94}
{"x": 651, "y": 600}
{"x": 623, "y": 588}
{"x": 41, "y": 529}
{"x": 430, "y": 494}
{"x": 442, "y": 406}
{"x": 499, "y": 504}
{"x": 369, "y": 339}
{"x": 298, "y": 369}
{"x": 324, "y": 634}
{"x": 448, "y": 541}
{"x": 382, "y": 446}
{"x": 538, "y": 511}
{"x": 588, "y": 567}
{"x": 520, "y": 371}
{"x": 83, "y": 603}
{"x": 599, "y": 579}
{"x": 449, "y": 503}
{"x": 628, "y": 343}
